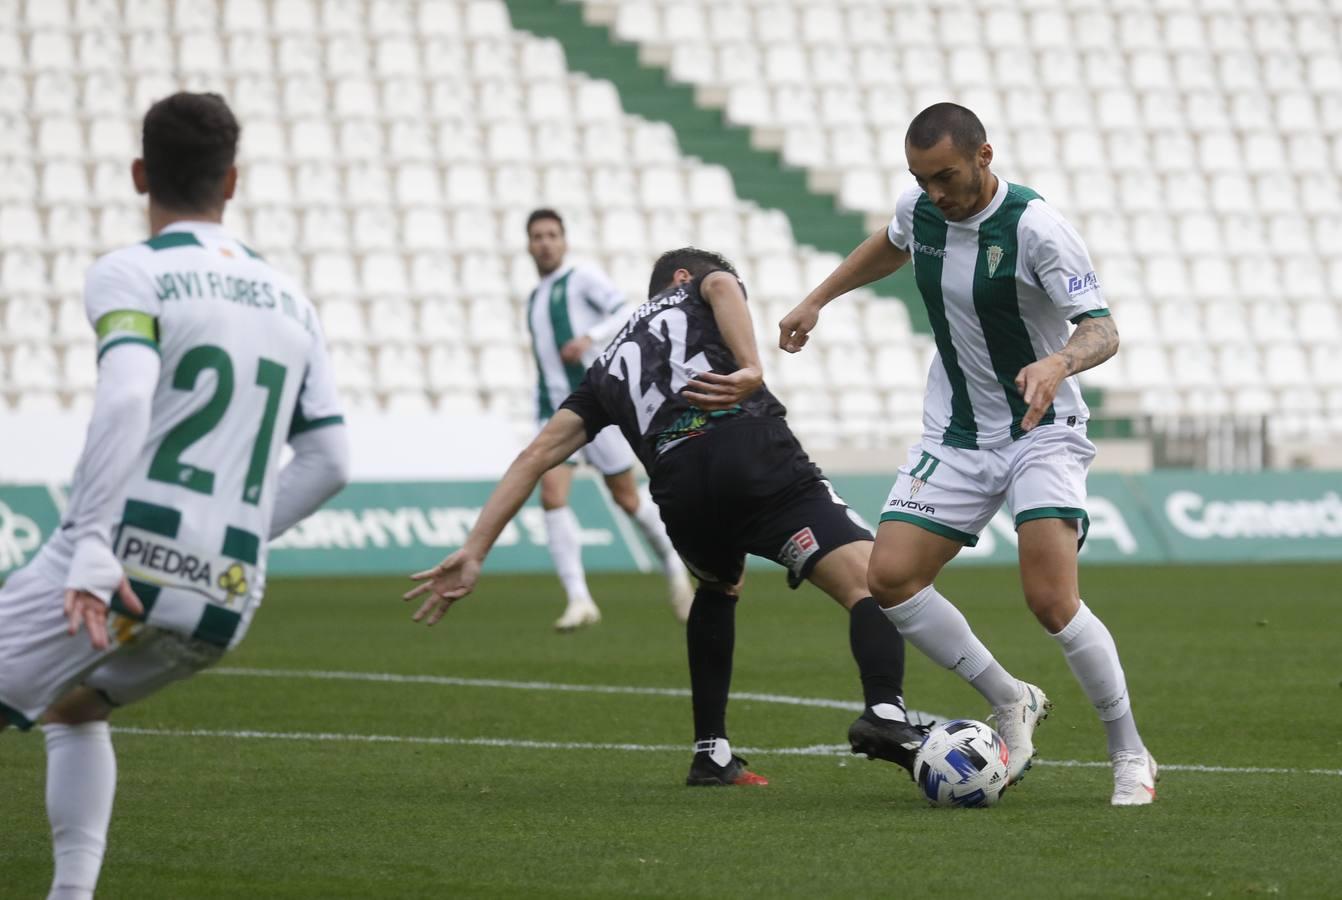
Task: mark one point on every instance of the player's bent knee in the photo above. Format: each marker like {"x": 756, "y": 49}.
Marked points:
{"x": 1054, "y": 609}
{"x": 80, "y": 705}
{"x": 720, "y": 587}
{"x": 892, "y": 587}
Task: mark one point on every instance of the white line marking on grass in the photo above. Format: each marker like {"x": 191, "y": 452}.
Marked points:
{"x": 518, "y": 744}
{"x": 917, "y": 717}
{"x": 452, "y": 681}
{"x": 1193, "y": 767}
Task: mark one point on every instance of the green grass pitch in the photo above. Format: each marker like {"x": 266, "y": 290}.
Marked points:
{"x": 1229, "y": 667}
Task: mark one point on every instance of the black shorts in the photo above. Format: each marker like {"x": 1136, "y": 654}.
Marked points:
{"x": 747, "y": 486}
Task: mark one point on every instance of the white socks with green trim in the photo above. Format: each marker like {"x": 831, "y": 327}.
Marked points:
{"x": 564, "y": 536}
{"x": 1093, "y": 659}
{"x": 81, "y": 782}
{"x": 931, "y": 623}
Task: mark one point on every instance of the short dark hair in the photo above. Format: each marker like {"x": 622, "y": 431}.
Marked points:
{"x": 189, "y": 142}
{"x": 942, "y": 119}
{"x": 694, "y": 260}
{"x": 541, "y": 215}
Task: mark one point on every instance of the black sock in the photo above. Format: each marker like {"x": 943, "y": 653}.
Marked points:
{"x": 710, "y": 635}
{"x": 878, "y": 648}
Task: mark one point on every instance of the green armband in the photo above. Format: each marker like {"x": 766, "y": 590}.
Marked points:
{"x": 126, "y": 326}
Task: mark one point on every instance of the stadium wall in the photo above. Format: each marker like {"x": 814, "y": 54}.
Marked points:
{"x": 394, "y": 527}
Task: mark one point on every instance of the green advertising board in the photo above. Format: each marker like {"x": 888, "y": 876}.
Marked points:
{"x": 1254, "y": 517}
{"x": 398, "y": 527}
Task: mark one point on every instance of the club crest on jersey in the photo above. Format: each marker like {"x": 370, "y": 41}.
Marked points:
{"x": 916, "y": 487}
{"x": 995, "y": 254}
{"x": 798, "y": 549}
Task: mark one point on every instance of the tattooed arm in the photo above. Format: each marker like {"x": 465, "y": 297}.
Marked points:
{"x": 1093, "y": 341}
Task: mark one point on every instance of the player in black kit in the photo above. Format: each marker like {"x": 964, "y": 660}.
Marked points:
{"x": 683, "y": 382}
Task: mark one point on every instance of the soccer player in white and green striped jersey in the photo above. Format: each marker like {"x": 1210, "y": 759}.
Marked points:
{"x": 209, "y": 362}
{"x": 571, "y": 314}
{"x": 1001, "y": 274}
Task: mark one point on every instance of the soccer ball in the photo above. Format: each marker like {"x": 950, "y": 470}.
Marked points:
{"x": 962, "y": 763}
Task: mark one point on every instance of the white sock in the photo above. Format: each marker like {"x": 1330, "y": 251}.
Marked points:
{"x": 1093, "y": 659}
{"x": 649, "y": 521}
{"x": 562, "y": 533}
{"x": 718, "y": 749}
{"x": 929, "y": 622}
{"x": 81, "y": 782}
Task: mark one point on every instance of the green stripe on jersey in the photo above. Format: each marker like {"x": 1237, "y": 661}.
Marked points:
{"x": 929, "y": 253}
{"x": 563, "y": 327}
{"x": 217, "y": 625}
{"x": 997, "y": 303}
{"x": 161, "y": 520}
{"x": 242, "y": 545}
{"x": 545, "y": 408}
{"x": 145, "y": 592}
{"x": 172, "y": 239}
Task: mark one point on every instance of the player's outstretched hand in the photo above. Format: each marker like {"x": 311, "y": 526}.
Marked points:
{"x": 1038, "y": 384}
{"x": 795, "y": 328}
{"x": 87, "y": 610}
{"x": 712, "y": 392}
{"x": 445, "y": 584}
{"x": 573, "y": 350}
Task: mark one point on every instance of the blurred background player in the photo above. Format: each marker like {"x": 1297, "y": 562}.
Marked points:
{"x": 1001, "y": 273}
{"x": 209, "y": 361}
{"x": 684, "y": 384}
{"x": 572, "y": 314}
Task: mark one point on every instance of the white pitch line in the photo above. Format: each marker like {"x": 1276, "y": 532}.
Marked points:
{"x": 452, "y": 681}
{"x": 917, "y": 717}
{"x": 519, "y": 744}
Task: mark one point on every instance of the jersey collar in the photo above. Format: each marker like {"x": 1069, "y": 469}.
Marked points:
{"x": 564, "y": 269}
{"x": 194, "y": 227}
{"x": 993, "y": 205}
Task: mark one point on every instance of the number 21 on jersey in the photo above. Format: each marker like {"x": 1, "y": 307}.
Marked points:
{"x": 627, "y": 365}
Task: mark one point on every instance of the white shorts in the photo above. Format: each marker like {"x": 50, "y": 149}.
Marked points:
{"x": 40, "y": 662}
{"x": 955, "y": 492}
{"x": 609, "y": 453}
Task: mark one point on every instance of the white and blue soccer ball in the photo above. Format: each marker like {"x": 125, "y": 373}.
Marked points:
{"x": 962, "y": 763}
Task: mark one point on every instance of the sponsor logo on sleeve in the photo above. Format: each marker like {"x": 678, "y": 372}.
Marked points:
{"x": 1082, "y": 284}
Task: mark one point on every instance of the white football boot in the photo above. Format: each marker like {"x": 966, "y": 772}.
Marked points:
{"x": 1016, "y": 723}
{"x": 1135, "y": 777}
{"x": 579, "y": 614}
{"x": 682, "y": 592}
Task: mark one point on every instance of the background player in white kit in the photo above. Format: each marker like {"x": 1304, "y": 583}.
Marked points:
{"x": 209, "y": 361}
{"x": 1001, "y": 274}
{"x": 572, "y": 314}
